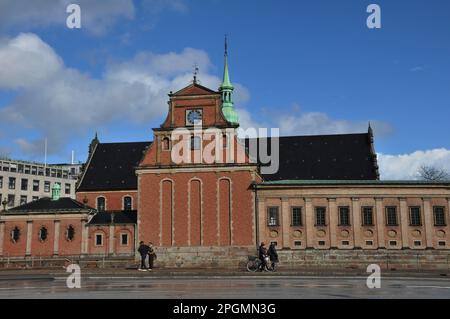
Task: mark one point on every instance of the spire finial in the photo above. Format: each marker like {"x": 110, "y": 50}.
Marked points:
{"x": 226, "y": 45}
{"x": 196, "y": 69}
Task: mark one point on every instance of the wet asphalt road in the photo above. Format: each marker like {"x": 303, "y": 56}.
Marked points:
{"x": 225, "y": 288}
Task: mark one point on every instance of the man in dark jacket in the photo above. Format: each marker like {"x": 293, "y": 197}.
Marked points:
{"x": 272, "y": 252}
{"x": 143, "y": 251}
{"x": 262, "y": 253}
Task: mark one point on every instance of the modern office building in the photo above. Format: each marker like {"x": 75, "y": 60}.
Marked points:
{"x": 22, "y": 182}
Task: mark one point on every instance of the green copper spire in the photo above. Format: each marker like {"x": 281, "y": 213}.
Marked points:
{"x": 227, "y": 93}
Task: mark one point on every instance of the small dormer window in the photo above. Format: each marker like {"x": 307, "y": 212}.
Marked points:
{"x": 166, "y": 144}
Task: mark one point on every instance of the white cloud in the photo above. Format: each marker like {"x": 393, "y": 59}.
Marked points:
{"x": 96, "y": 16}
{"x": 297, "y": 122}
{"x": 406, "y": 166}
{"x": 60, "y": 102}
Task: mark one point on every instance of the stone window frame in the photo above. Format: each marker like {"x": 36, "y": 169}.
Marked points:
{"x": 417, "y": 220}
{"x": 364, "y": 221}
{"x": 13, "y": 233}
{"x": 341, "y": 223}
{"x": 270, "y": 222}
{"x": 43, "y": 231}
{"x": 67, "y": 233}
{"x": 300, "y": 216}
{"x": 36, "y": 185}
{"x": 319, "y": 223}
{"x": 443, "y": 221}
{"x": 388, "y": 219}
{"x": 12, "y": 183}
{"x": 128, "y": 239}
{"x": 166, "y": 144}
{"x": 96, "y": 203}
{"x": 123, "y": 202}
{"x": 102, "y": 235}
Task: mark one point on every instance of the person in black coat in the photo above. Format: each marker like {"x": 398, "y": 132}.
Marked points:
{"x": 262, "y": 253}
{"x": 143, "y": 251}
{"x": 273, "y": 255}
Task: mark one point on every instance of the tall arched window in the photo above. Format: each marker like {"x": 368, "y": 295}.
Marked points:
{"x": 127, "y": 203}
{"x": 15, "y": 234}
{"x": 43, "y": 233}
{"x": 101, "y": 204}
{"x": 70, "y": 233}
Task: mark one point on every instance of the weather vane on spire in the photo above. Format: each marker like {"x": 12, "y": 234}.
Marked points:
{"x": 196, "y": 69}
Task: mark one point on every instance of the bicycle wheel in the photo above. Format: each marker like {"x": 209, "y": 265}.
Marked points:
{"x": 252, "y": 265}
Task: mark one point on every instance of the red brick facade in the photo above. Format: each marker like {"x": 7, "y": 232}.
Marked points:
{"x": 200, "y": 203}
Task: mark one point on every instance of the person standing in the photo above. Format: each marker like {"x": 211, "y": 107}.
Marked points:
{"x": 273, "y": 255}
{"x": 151, "y": 256}
{"x": 143, "y": 251}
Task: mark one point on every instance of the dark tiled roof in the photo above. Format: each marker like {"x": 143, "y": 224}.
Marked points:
{"x": 120, "y": 217}
{"x": 112, "y": 167}
{"x": 46, "y": 204}
{"x": 325, "y": 157}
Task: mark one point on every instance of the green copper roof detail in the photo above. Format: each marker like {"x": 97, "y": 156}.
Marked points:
{"x": 56, "y": 191}
{"x": 227, "y": 92}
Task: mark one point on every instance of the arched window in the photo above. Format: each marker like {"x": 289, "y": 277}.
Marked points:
{"x": 15, "y": 234}
{"x": 127, "y": 203}
{"x": 101, "y": 204}
{"x": 43, "y": 233}
{"x": 166, "y": 144}
{"x": 70, "y": 233}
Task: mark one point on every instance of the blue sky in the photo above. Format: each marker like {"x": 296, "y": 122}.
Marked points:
{"x": 309, "y": 67}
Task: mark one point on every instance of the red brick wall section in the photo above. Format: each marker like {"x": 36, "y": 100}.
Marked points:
{"x": 42, "y": 248}
{"x": 101, "y": 249}
{"x": 17, "y": 249}
{"x": 241, "y": 205}
{"x": 67, "y": 247}
{"x": 119, "y": 247}
{"x": 114, "y": 199}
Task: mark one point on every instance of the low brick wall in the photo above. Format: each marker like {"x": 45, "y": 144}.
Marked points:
{"x": 204, "y": 257}
{"x": 235, "y": 258}
{"x": 410, "y": 260}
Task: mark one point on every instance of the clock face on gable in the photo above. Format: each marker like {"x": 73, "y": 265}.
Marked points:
{"x": 194, "y": 117}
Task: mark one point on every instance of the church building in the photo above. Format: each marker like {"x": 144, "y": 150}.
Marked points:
{"x": 201, "y": 194}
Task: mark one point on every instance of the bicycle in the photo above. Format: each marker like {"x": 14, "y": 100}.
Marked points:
{"x": 254, "y": 264}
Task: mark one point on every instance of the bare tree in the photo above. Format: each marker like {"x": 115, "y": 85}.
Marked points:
{"x": 433, "y": 174}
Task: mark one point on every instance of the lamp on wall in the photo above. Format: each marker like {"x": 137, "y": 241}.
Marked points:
{"x": 4, "y": 203}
